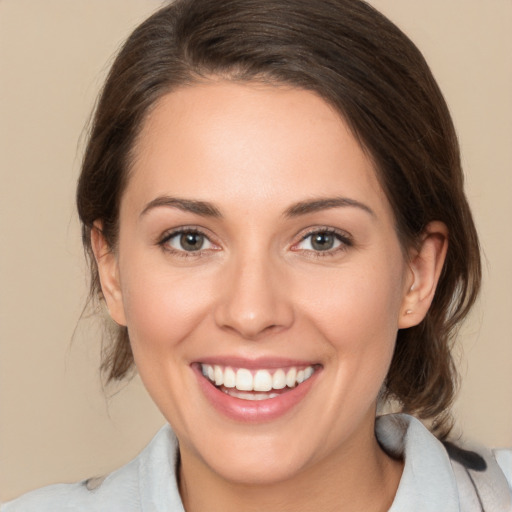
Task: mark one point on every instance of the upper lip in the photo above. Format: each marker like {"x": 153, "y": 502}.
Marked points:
{"x": 255, "y": 363}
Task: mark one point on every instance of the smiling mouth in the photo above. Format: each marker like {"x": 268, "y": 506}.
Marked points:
{"x": 261, "y": 384}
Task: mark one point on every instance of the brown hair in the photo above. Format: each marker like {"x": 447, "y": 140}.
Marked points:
{"x": 363, "y": 65}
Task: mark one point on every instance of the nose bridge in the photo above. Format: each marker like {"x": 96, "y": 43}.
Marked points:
{"x": 254, "y": 299}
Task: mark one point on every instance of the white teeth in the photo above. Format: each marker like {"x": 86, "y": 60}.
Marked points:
{"x": 262, "y": 381}
{"x": 249, "y": 396}
{"x": 308, "y": 372}
{"x": 279, "y": 379}
{"x": 244, "y": 380}
{"x": 291, "y": 377}
{"x": 229, "y": 378}
{"x": 219, "y": 375}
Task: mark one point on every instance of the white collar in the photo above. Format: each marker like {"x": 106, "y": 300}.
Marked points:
{"x": 427, "y": 484}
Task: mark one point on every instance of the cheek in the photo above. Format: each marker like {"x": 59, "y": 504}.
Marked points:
{"x": 162, "y": 306}
{"x": 357, "y": 310}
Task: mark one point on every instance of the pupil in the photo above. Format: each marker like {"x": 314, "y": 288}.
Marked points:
{"x": 322, "y": 241}
{"x": 191, "y": 241}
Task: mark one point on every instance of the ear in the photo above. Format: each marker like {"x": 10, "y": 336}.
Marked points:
{"x": 426, "y": 264}
{"x": 108, "y": 269}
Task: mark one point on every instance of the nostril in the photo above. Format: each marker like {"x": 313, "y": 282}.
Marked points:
{"x": 251, "y": 328}
{"x": 252, "y": 302}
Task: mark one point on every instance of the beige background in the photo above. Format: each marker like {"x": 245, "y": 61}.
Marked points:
{"x": 56, "y": 422}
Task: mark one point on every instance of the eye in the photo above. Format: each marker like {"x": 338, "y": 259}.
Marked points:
{"x": 323, "y": 240}
{"x": 187, "y": 241}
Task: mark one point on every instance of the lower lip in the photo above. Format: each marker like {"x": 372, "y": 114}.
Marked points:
{"x": 253, "y": 411}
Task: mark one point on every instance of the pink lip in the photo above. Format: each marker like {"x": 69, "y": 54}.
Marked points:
{"x": 257, "y": 411}
{"x": 255, "y": 364}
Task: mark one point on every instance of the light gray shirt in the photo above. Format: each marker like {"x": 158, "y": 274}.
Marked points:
{"x": 431, "y": 482}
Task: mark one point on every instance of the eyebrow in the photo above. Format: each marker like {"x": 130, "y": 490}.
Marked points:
{"x": 315, "y": 205}
{"x": 206, "y": 209}
{"x": 202, "y": 208}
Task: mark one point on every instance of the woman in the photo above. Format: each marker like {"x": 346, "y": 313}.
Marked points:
{"x": 272, "y": 202}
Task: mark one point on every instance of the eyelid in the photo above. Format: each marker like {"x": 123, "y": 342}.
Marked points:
{"x": 164, "y": 238}
{"x": 342, "y": 236}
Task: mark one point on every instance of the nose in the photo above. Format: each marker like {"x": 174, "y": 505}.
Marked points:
{"x": 255, "y": 299}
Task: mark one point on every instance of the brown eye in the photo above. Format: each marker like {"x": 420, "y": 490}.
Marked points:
{"x": 325, "y": 241}
{"x": 187, "y": 241}
{"x": 322, "y": 241}
{"x": 191, "y": 241}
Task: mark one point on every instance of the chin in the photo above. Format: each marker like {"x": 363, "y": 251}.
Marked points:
{"x": 259, "y": 467}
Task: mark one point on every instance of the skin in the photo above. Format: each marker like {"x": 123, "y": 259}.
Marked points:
{"x": 258, "y": 288}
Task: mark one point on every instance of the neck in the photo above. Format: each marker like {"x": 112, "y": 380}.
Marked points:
{"x": 350, "y": 479}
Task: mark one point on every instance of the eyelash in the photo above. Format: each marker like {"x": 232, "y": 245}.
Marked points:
{"x": 342, "y": 237}
{"x": 168, "y": 236}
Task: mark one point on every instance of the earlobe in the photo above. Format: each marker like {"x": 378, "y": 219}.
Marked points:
{"x": 108, "y": 270}
{"x": 426, "y": 264}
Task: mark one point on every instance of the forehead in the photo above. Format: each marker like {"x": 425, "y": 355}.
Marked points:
{"x": 251, "y": 142}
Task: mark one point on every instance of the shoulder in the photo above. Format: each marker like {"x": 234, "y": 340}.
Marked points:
{"x": 88, "y": 495}
{"x": 504, "y": 460}
{"x": 124, "y": 490}
{"x": 482, "y": 476}
{"x": 454, "y": 476}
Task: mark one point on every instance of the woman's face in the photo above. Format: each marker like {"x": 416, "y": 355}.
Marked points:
{"x": 257, "y": 249}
